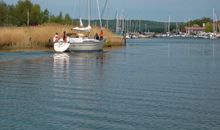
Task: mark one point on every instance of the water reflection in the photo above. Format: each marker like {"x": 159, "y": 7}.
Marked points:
{"x": 193, "y": 50}
{"x": 87, "y": 66}
{"x": 82, "y": 66}
{"x": 61, "y": 65}
{"x": 213, "y": 50}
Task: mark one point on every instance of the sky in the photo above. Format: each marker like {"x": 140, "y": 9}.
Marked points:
{"x": 157, "y": 10}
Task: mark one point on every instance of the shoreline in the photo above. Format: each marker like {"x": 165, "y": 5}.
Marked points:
{"x": 106, "y": 48}
{"x": 40, "y": 37}
{"x": 49, "y": 49}
{"x": 12, "y": 49}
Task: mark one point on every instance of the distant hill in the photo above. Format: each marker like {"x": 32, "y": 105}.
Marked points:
{"x": 139, "y": 25}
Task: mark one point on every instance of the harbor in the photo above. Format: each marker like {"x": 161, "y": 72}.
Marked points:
{"x": 109, "y": 65}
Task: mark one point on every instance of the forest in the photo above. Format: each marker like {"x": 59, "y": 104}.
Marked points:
{"x": 25, "y": 13}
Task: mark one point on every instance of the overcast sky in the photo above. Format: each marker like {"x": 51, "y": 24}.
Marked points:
{"x": 159, "y": 10}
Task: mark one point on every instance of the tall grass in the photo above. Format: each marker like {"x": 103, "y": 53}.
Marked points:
{"x": 38, "y": 36}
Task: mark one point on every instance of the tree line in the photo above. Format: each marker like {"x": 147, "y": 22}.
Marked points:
{"x": 24, "y": 13}
{"x": 207, "y": 22}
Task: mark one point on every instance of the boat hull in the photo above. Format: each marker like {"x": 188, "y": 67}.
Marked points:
{"x": 87, "y": 45}
{"x": 61, "y": 46}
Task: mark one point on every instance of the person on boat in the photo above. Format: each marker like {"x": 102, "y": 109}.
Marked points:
{"x": 65, "y": 37}
{"x": 96, "y": 36}
{"x": 101, "y": 34}
{"x": 56, "y": 38}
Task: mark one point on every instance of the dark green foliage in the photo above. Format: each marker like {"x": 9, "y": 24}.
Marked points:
{"x": 209, "y": 27}
{"x": 23, "y": 7}
{"x": 3, "y": 13}
{"x": 35, "y": 15}
{"x": 45, "y": 15}
{"x": 12, "y": 20}
{"x": 200, "y": 22}
{"x": 26, "y": 13}
{"x": 67, "y": 19}
{"x": 145, "y": 25}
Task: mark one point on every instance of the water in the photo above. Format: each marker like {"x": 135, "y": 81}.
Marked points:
{"x": 154, "y": 84}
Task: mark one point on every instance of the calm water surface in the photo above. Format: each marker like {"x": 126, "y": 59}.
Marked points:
{"x": 153, "y": 84}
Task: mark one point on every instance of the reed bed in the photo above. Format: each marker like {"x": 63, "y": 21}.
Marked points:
{"x": 41, "y": 36}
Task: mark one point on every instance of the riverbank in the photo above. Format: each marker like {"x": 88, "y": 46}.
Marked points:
{"x": 40, "y": 37}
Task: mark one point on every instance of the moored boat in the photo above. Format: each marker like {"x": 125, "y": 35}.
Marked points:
{"x": 82, "y": 42}
{"x": 86, "y": 44}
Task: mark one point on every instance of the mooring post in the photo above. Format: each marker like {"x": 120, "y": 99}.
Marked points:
{"x": 124, "y": 38}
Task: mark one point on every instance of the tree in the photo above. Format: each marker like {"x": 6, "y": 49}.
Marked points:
{"x": 208, "y": 27}
{"x": 199, "y": 22}
{"x": 67, "y": 19}
{"x": 12, "y": 15}
{"x": 23, "y": 7}
{"x": 56, "y": 19}
{"x": 35, "y": 15}
{"x": 25, "y": 13}
{"x": 60, "y": 18}
{"x": 3, "y": 13}
{"x": 45, "y": 16}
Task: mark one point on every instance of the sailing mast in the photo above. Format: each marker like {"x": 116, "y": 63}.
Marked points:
{"x": 117, "y": 23}
{"x": 89, "y": 12}
{"x": 168, "y": 29}
{"x": 100, "y": 21}
{"x": 139, "y": 26}
{"x": 214, "y": 22}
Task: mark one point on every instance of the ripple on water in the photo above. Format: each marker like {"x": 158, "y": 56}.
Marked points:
{"x": 150, "y": 84}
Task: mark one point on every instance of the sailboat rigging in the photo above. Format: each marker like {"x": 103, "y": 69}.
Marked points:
{"x": 82, "y": 42}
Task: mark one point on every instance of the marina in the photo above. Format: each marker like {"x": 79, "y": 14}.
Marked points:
{"x": 109, "y": 65}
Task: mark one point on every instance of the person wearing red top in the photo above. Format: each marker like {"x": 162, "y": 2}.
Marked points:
{"x": 101, "y": 34}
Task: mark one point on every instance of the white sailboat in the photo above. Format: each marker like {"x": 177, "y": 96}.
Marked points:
{"x": 61, "y": 46}
{"x": 82, "y": 42}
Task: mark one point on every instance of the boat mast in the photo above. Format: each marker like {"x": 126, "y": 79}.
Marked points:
{"x": 100, "y": 21}
{"x": 107, "y": 24}
{"x": 89, "y": 12}
{"x": 139, "y": 26}
{"x": 116, "y": 22}
{"x": 168, "y": 29}
{"x": 103, "y": 10}
{"x": 213, "y": 24}
{"x": 213, "y": 21}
